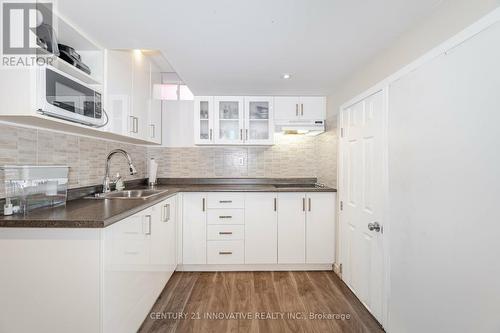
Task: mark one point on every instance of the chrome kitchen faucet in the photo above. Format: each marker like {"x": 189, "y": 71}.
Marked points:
{"x": 106, "y": 182}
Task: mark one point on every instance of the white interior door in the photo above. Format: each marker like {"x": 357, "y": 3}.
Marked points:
{"x": 361, "y": 194}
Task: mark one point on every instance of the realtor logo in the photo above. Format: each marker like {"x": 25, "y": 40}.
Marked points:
{"x": 28, "y": 37}
{"x": 21, "y": 25}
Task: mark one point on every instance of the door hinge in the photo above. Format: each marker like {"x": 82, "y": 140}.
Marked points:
{"x": 341, "y": 132}
{"x": 341, "y": 205}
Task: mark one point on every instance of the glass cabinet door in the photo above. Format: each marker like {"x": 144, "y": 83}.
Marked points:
{"x": 204, "y": 120}
{"x": 229, "y": 120}
{"x": 258, "y": 120}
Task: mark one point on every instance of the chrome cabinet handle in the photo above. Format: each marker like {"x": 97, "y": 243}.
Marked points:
{"x": 225, "y": 201}
{"x": 166, "y": 213}
{"x": 203, "y": 204}
{"x": 301, "y": 109}
{"x": 225, "y": 217}
{"x": 303, "y": 204}
{"x": 309, "y": 201}
{"x": 225, "y": 233}
{"x": 148, "y": 231}
{"x": 246, "y": 134}
{"x": 153, "y": 132}
{"x": 297, "y": 110}
{"x": 210, "y": 134}
{"x": 136, "y": 125}
{"x": 225, "y": 252}
{"x": 275, "y": 203}
{"x": 132, "y": 124}
{"x": 375, "y": 226}
{"x": 241, "y": 134}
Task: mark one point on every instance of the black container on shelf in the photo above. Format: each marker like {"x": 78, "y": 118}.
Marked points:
{"x": 68, "y": 54}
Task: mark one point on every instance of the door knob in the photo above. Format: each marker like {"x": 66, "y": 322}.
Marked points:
{"x": 374, "y": 226}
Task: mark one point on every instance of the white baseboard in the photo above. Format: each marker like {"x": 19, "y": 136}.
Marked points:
{"x": 256, "y": 267}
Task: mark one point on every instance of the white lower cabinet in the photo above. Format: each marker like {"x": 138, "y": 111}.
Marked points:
{"x": 320, "y": 228}
{"x": 226, "y": 216}
{"x": 83, "y": 280}
{"x": 139, "y": 258}
{"x": 306, "y": 228}
{"x": 194, "y": 229}
{"x": 258, "y": 228}
{"x": 261, "y": 228}
{"x": 291, "y": 228}
{"x": 225, "y": 252}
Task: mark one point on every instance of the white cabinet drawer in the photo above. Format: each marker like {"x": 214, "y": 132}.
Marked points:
{"x": 226, "y": 232}
{"x": 130, "y": 252}
{"x": 133, "y": 227}
{"x": 225, "y": 200}
{"x": 225, "y": 252}
{"x": 226, "y": 216}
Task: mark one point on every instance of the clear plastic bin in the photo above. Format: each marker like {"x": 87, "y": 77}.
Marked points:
{"x": 30, "y": 187}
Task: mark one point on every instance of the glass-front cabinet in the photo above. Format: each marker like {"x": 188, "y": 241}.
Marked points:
{"x": 204, "y": 120}
{"x": 229, "y": 123}
{"x": 258, "y": 120}
{"x": 233, "y": 120}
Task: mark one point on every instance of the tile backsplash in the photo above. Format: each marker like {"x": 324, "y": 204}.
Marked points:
{"x": 291, "y": 156}
{"x": 85, "y": 156}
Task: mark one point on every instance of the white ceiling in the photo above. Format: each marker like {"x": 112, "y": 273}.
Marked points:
{"x": 243, "y": 46}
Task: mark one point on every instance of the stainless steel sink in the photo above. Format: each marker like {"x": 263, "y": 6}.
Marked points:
{"x": 129, "y": 194}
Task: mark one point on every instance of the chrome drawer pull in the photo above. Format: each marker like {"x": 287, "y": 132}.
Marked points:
{"x": 225, "y": 233}
{"x": 225, "y": 217}
{"x": 225, "y": 252}
{"x": 225, "y": 201}
{"x": 131, "y": 252}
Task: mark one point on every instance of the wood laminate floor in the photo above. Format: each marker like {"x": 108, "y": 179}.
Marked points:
{"x": 258, "y": 302}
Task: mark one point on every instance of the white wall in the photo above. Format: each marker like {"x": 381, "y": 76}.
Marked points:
{"x": 444, "y": 192}
{"x": 450, "y": 17}
{"x": 177, "y": 124}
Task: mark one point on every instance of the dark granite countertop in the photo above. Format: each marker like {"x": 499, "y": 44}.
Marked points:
{"x": 89, "y": 213}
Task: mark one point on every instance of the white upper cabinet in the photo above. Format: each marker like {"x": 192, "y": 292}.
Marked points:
{"x": 140, "y": 96}
{"x": 118, "y": 90}
{"x": 259, "y": 126}
{"x": 129, "y": 95}
{"x": 229, "y": 120}
{"x": 204, "y": 120}
{"x": 286, "y": 108}
{"x": 154, "y": 117}
{"x": 313, "y": 108}
{"x": 300, "y": 108}
{"x": 233, "y": 120}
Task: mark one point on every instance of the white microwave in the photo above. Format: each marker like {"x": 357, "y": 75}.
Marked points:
{"x": 61, "y": 96}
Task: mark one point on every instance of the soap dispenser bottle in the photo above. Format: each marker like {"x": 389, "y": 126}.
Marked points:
{"x": 120, "y": 186}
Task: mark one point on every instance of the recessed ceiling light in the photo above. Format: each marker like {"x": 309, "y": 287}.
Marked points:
{"x": 286, "y": 76}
